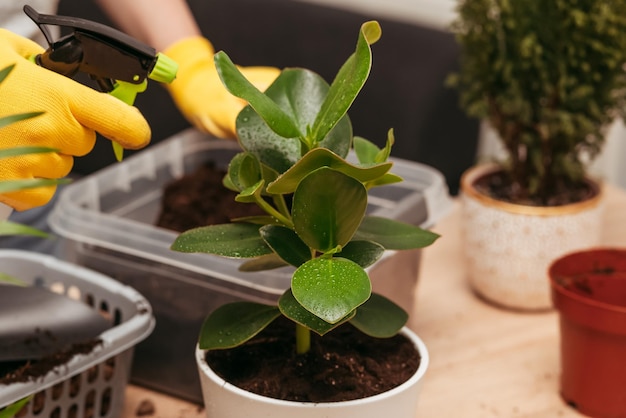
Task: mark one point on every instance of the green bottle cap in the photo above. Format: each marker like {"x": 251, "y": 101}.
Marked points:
{"x": 164, "y": 70}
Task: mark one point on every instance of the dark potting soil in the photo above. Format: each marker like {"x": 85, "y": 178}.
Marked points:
{"x": 25, "y": 371}
{"x": 497, "y": 186}
{"x": 344, "y": 364}
{"x": 198, "y": 199}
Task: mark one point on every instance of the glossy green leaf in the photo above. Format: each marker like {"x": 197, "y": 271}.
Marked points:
{"x": 379, "y": 317}
{"x": 238, "y": 240}
{"x": 300, "y": 94}
{"x": 321, "y": 157}
{"x": 290, "y": 308}
{"x": 347, "y": 83}
{"x": 286, "y": 243}
{"x": 262, "y": 263}
{"x": 14, "y": 185}
{"x": 11, "y": 228}
{"x": 327, "y": 209}
{"x": 244, "y": 171}
{"x": 330, "y": 288}
{"x": 364, "y": 253}
{"x": 394, "y": 235}
{"x": 233, "y": 324}
{"x": 256, "y": 137}
{"x": 238, "y": 85}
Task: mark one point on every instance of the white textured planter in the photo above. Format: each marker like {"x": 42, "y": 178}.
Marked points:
{"x": 509, "y": 247}
{"x": 223, "y": 400}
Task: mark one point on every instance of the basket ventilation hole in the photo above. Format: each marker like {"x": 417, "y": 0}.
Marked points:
{"x": 57, "y": 391}
{"x": 90, "y": 402}
{"x": 75, "y": 384}
{"x": 105, "y": 402}
{"x": 58, "y": 287}
{"x": 92, "y": 374}
{"x": 117, "y": 318}
{"x": 90, "y": 300}
{"x": 39, "y": 402}
{"x": 73, "y": 292}
{"x": 73, "y": 411}
{"x": 104, "y": 310}
{"x": 109, "y": 369}
{"x": 56, "y": 412}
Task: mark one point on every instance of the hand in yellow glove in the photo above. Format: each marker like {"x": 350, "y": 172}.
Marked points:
{"x": 73, "y": 113}
{"x": 199, "y": 93}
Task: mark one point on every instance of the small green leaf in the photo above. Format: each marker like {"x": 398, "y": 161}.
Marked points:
{"x": 394, "y": 235}
{"x": 322, "y": 157}
{"x": 290, "y": 308}
{"x": 5, "y": 278}
{"x": 286, "y": 243}
{"x": 17, "y": 151}
{"x": 8, "y": 120}
{"x": 379, "y": 317}
{"x": 364, "y": 253}
{"x": 388, "y": 178}
{"x": 330, "y": 288}
{"x": 244, "y": 171}
{"x": 11, "y": 228}
{"x": 235, "y": 323}
{"x": 238, "y": 85}
{"x": 252, "y": 193}
{"x": 327, "y": 208}
{"x": 238, "y": 240}
{"x": 13, "y": 409}
{"x": 14, "y": 185}
{"x": 365, "y": 150}
{"x": 6, "y": 71}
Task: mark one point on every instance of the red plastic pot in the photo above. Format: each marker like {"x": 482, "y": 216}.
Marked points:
{"x": 589, "y": 292}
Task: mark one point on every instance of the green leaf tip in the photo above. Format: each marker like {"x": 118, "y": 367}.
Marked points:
{"x": 371, "y": 31}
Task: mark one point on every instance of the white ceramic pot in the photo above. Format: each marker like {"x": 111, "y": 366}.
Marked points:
{"x": 224, "y": 400}
{"x": 509, "y": 247}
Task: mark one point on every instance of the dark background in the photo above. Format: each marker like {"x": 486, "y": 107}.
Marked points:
{"x": 405, "y": 90}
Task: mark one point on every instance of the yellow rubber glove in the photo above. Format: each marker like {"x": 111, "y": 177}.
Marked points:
{"x": 199, "y": 93}
{"x": 73, "y": 113}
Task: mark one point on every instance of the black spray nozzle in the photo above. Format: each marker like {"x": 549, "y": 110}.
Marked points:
{"x": 102, "y": 52}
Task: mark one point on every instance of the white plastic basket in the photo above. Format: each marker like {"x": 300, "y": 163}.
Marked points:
{"x": 89, "y": 385}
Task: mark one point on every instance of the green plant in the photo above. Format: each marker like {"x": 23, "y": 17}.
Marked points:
{"x": 295, "y": 139}
{"x": 549, "y": 77}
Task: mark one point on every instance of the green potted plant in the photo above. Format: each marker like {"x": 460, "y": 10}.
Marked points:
{"x": 296, "y": 165}
{"x": 548, "y": 79}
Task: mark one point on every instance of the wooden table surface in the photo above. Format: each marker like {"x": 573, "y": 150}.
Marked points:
{"x": 485, "y": 361}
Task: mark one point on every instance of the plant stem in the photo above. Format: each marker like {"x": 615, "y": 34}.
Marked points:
{"x": 273, "y": 212}
{"x": 303, "y": 339}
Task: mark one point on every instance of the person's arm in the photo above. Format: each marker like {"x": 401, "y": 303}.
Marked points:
{"x": 158, "y": 23}
{"x": 169, "y": 27}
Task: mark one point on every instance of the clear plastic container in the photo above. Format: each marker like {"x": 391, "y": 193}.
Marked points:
{"x": 106, "y": 221}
